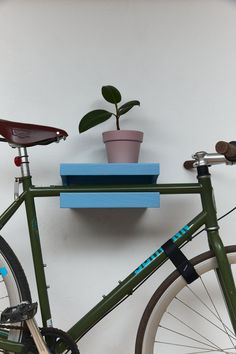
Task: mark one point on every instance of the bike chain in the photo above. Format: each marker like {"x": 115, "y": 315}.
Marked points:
{"x": 59, "y": 336}
{"x": 20, "y": 328}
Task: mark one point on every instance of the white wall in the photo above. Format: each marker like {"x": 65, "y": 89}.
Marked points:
{"x": 178, "y": 58}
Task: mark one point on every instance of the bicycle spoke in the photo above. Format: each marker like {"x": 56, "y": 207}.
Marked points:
{"x": 203, "y": 350}
{"x": 185, "y": 324}
{"x": 4, "y": 297}
{"x": 185, "y": 346}
{"x": 220, "y": 319}
{"x": 215, "y": 313}
{"x": 207, "y": 346}
{"x": 209, "y": 309}
{"x": 217, "y": 351}
{"x": 204, "y": 317}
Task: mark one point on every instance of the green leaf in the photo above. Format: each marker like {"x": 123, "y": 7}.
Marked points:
{"x": 111, "y": 94}
{"x": 93, "y": 118}
{"x": 127, "y": 106}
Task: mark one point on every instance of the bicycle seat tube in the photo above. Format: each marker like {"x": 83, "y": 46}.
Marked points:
{"x": 35, "y": 239}
{"x": 224, "y": 272}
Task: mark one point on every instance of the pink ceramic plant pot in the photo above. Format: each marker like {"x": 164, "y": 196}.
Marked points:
{"x": 122, "y": 145}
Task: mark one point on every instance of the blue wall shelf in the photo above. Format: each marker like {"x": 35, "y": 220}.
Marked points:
{"x": 110, "y": 174}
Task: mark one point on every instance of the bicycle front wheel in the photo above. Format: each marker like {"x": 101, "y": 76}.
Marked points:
{"x": 13, "y": 287}
{"x": 188, "y": 319}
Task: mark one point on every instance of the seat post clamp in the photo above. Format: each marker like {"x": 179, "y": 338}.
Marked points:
{"x": 18, "y": 180}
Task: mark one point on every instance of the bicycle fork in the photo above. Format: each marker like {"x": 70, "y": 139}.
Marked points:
{"x": 223, "y": 272}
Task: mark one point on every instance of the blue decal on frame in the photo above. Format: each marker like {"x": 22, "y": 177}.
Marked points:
{"x": 3, "y": 272}
{"x": 155, "y": 255}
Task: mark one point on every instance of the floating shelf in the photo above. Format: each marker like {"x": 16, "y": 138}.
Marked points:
{"x": 109, "y": 174}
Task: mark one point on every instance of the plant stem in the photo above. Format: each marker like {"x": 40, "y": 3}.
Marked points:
{"x": 117, "y": 117}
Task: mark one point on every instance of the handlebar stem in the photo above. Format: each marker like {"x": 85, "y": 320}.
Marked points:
{"x": 203, "y": 158}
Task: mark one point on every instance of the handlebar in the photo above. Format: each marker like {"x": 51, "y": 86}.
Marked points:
{"x": 226, "y": 153}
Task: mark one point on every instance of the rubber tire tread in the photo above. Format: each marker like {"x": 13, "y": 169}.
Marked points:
{"x": 161, "y": 289}
{"x": 18, "y": 273}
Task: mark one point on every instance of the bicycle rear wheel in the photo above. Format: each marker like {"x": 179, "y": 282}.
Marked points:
{"x": 188, "y": 319}
{"x": 13, "y": 287}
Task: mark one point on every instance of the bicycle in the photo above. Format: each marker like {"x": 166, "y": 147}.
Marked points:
{"x": 197, "y": 310}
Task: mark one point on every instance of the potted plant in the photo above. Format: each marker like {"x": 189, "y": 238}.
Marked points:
{"x": 121, "y": 145}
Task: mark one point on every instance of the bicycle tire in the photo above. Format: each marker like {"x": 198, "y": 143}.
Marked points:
{"x": 163, "y": 330}
{"x": 14, "y": 287}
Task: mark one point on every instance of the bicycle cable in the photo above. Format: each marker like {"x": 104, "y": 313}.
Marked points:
{"x": 204, "y": 229}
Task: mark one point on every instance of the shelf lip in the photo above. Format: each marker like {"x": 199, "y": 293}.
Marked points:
{"x": 109, "y": 169}
{"x": 109, "y": 173}
{"x": 110, "y": 200}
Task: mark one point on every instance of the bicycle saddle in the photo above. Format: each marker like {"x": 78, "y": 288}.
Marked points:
{"x": 25, "y": 135}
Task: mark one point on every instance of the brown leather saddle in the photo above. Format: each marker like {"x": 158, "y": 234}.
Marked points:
{"x": 25, "y": 135}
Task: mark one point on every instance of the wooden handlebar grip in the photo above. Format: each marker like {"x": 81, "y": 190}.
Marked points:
{"x": 227, "y": 149}
{"x": 189, "y": 164}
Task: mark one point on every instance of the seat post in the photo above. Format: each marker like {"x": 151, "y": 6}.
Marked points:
{"x": 31, "y": 215}
{"x": 25, "y": 170}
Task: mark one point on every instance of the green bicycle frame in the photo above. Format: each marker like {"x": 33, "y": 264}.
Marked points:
{"x": 207, "y": 218}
